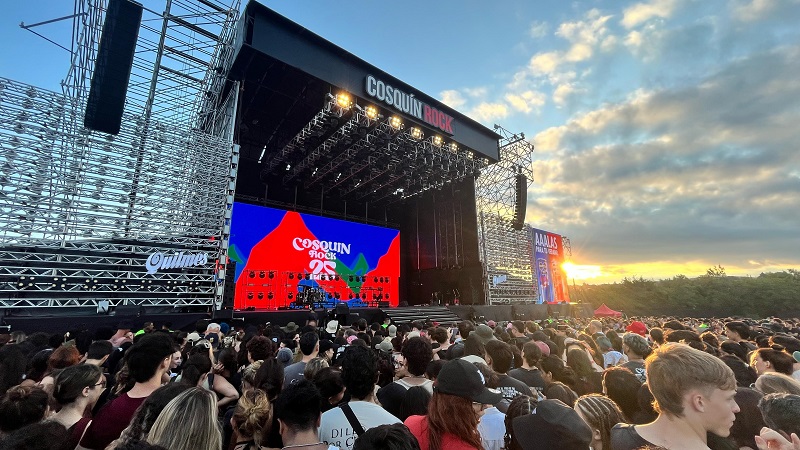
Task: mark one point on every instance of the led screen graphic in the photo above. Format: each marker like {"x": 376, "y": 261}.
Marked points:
{"x": 287, "y": 259}
{"x": 548, "y": 255}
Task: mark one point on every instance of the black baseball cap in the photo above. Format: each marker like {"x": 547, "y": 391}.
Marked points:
{"x": 552, "y": 424}
{"x": 463, "y": 379}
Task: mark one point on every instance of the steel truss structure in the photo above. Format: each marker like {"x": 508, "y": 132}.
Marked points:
{"x": 84, "y": 216}
{"x": 366, "y": 156}
{"x": 506, "y": 252}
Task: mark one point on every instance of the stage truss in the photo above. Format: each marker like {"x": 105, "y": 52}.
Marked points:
{"x": 83, "y": 212}
{"x": 506, "y": 252}
{"x": 366, "y": 156}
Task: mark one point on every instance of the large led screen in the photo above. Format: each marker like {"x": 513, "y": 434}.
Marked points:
{"x": 288, "y": 259}
{"x": 548, "y": 256}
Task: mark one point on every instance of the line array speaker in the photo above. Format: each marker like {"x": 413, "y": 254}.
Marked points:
{"x": 112, "y": 68}
{"x": 522, "y": 201}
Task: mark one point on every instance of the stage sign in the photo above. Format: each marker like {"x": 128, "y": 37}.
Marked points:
{"x": 548, "y": 255}
{"x": 288, "y": 259}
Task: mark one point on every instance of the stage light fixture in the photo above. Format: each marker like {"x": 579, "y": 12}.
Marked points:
{"x": 337, "y": 295}
{"x": 371, "y": 112}
{"x": 261, "y": 296}
{"x": 350, "y": 296}
{"x": 437, "y": 141}
{"x": 288, "y": 167}
{"x": 249, "y": 295}
{"x": 291, "y": 276}
{"x": 395, "y": 122}
{"x": 350, "y": 278}
{"x": 416, "y": 133}
{"x": 364, "y": 296}
{"x": 271, "y": 274}
{"x": 453, "y": 147}
{"x": 290, "y": 295}
{"x": 270, "y": 295}
{"x": 343, "y": 100}
{"x": 251, "y": 274}
{"x": 261, "y": 274}
{"x": 308, "y": 276}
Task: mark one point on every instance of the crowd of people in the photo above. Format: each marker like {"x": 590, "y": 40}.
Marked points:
{"x": 599, "y": 384}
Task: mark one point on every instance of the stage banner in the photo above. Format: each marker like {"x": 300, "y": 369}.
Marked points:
{"x": 548, "y": 255}
{"x": 287, "y": 259}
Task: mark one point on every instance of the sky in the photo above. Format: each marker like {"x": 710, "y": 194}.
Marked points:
{"x": 665, "y": 131}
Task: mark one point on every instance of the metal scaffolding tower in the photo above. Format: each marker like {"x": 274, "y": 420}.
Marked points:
{"x": 85, "y": 215}
{"x": 506, "y": 252}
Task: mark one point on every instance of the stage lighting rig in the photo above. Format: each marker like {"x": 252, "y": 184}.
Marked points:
{"x": 416, "y": 133}
{"x": 371, "y": 112}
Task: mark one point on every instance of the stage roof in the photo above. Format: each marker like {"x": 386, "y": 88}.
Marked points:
{"x": 293, "y": 126}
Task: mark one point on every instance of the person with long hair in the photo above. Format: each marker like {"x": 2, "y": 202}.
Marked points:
{"x": 588, "y": 380}
{"x": 622, "y": 387}
{"x": 458, "y": 401}
{"x": 147, "y": 414}
{"x": 188, "y": 422}
{"x": 76, "y": 389}
{"x": 777, "y": 383}
{"x": 21, "y": 406}
{"x": 601, "y": 414}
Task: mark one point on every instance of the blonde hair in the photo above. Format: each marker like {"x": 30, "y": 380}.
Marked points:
{"x": 675, "y": 369}
{"x": 777, "y": 383}
{"x": 600, "y": 413}
{"x": 188, "y": 422}
{"x": 314, "y": 366}
{"x": 253, "y": 414}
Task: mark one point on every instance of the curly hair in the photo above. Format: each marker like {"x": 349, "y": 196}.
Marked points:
{"x": 359, "y": 371}
{"x": 417, "y": 353}
{"x": 260, "y": 348}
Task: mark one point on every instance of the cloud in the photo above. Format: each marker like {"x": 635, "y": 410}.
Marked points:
{"x": 545, "y": 63}
{"x": 562, "y": 92}
{"x": 709, "y": 168}
{"x": 539, "y": 29}
{"x": 488, "y": 112}
{"x": 452, "y": 98}
{"x": 527, "y": 101}
{"x": 640, "y": 13}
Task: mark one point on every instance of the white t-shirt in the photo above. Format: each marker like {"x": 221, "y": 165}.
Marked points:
{"x": 336, "y": 430}
{"x": 492, "y": 429}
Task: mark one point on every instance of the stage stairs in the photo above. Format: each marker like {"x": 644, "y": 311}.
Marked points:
{"x": 433, "y": 313}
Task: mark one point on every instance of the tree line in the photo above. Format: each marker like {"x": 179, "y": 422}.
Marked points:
{"x": 712, "y": 295}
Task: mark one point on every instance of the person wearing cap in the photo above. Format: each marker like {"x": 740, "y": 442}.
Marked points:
{"x": 484, "y": 333}
{"x": 637, "y": 327}
{"x": 458, "y": 400}
{"x": 636, "y": 349}
{"x": 330, "y": 330}
{"x": 551, "y": 425}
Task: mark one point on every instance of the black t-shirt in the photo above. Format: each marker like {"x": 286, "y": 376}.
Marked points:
{"x": 625, "y": 437}
{"x": 533, "y": 378}
{"x": 637, "y": 367}
{"x": 511, "y": 387}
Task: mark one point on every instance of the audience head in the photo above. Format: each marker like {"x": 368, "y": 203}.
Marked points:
{"x": 359, "y": 371}
{"x": 531, "y": 353}
{"x": 417, "y": 353}
{"x": 45, "y": 435}
{"x": 737, "y": 331}
{"x": 601, "y": 414}
{"x": 309, "y": 343}
{"x": 150, "y": 356}
{"x": 99, "y": 351}
{"x": 635, "y": 345}
{"x": 259, "y": 348}
{"x": 77, "y": 382}
{"x": 330, "y": 385}
{"x": 520, "y": 406}
{"x": 269, "y": 378}
{"x": 551, "y": 425}
{"x": 188, "y": 422}
{"x": 389, "y": 437}
{"x": 63, "y": 357}
{"x": 766, "y": 360}
{"x": 21, "y": 406}
{"x": 622, "y": 386}
{"x": 688, "y": 382}
{"x": 252, "y": 415}
{"x": 560, "y": 391}
{"x": 777, "y": 383}
{"x": 12, "y": 366}
{"x": 297, "y": 408}
{"x": 414, "y": 403}
{"x": 780, "y": 412}
{"x": 314, "y": 366}
{"x": 499, "y": 355}
{"x": 749, "y": 420}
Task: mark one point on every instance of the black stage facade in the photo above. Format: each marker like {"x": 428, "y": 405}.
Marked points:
{"x": 324, "y": 132}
